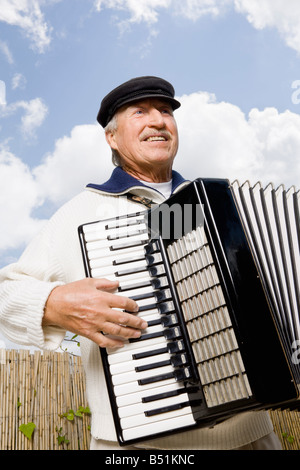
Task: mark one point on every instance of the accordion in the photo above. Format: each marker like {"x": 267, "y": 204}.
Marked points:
{"x": 215, "y": 270}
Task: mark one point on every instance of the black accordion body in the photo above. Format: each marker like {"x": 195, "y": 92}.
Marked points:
{"x": 215, "y": 271}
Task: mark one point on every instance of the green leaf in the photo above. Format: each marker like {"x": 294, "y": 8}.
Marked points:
{"x": 27, "y": 429}
{"x": 70, "y": 415}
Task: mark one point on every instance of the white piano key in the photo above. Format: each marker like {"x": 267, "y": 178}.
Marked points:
{"x": 124, "y": 280}
{"x": 141, "y": 419}
{"x": 119, "y": 356}
{"x": 122, "y": 243}
{"x": 102, "y": 233}
{"x": 133, "y": 387}
{"x": 115, "y": 270}
{"x": 151, "y": 429}
{"x": 139, "y": 408}
{"x": 132, "y": 398}
{"x": 132, "y": 375}
{"x": 96, "y": 229}
{"x": 132, "y": 364}
{"x": 135, "y": 219}
{"x": 105, "y": 252}
{"x": 97, "y": 262}
{"x": 136, "y": 346}
{"x": 137, "y": 291}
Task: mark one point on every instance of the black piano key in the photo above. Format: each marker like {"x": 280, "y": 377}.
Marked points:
{"x": 138, "y": 285}
{"x": 166, "y": 321}
{"x": 127, "y": 245}
{"x": 166, "y": 307}
{"x": 176, "y": 361}
{"x": 162, "y": 295}
{"x": 153, "y": 365}
{"x": 124, "y": 220}
{"x": 168, "y": 333}
{"x": 166, "y": 409}
{"x": 127, "y": 272}
{"x": 171, "y": 393}
{"x": 171, "y": 348}
{"x": 146, "y": 336}
{"x": 169, "y": 320}
{"x": 176, "y": 346}
{"x": 160, "y": 282}
{"x": 156, "y": 378}
{"x": 146, "y": 295}
{"x": 151, "y": 247}
{"x": 128, "y": 223}
{"x": 152, "y": 259}
{"x": 172, "y": 333}
{"x": 179, "y": 375}
{"x": 154, "y": 352}
{"x": 144, "y": 308}
{"x": 179, "y": 360}
{"x": 118, "y": 262}
{"x": 154, "y": 322}
{"x": 126, "y": 235}
{"x": 157, "y": 270}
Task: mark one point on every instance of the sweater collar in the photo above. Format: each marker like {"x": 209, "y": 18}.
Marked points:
{"x": 121, "y": 182}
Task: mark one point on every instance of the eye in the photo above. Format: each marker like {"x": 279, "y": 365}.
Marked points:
{"x": 167, "y": 111}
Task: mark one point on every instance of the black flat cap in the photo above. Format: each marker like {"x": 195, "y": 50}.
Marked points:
{"x": 134, "y": 90}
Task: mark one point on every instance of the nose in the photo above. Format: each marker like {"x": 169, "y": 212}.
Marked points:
{"x": 156, "y": 118}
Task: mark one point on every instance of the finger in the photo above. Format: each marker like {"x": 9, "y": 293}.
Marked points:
{"x": 106, "y": 284}
{"x": 124, "y": 303}
{"x": 126, "y": 319}
{"x": 120, "y": 331}
{"x": 104, "y": 341}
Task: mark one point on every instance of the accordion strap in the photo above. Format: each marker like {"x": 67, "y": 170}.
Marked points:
{"x": 140, "y": 200}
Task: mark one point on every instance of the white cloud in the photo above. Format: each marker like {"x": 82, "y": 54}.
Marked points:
{"x": 195, "y": 9}
{"x": 34, "y": 116}
{"x": 219, "y": 140}
{"x": 18, "y": 81}
{"x": 80, "y": 158}
{"x": 148, "y": 10}
{"x": 279, "y": 14}
{"x": 2, "y": 93}
{"x": 6, "y": 51}
{"x": 27, "y": 15}
{"x": 216, "y": 140}
{"x": 19, "y": 195}
{"x": 140, "y": 10}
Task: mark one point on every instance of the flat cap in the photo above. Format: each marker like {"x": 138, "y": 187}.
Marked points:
{"x": 135, "y": 90}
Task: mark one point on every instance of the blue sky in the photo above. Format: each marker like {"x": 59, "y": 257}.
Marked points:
{"x": 234, "y": 65}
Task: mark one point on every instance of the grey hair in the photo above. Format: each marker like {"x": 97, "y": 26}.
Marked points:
{"x": 112, "y": 127}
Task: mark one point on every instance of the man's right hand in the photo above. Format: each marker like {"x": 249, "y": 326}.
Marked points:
{"x": 89, "y": 308}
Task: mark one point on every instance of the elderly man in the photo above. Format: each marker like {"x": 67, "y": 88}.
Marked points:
{"x": 45, "y": 293}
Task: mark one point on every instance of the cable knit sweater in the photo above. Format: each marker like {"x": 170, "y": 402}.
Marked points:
{"x": 54, "y": 258}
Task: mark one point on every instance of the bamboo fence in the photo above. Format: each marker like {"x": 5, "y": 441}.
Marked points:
{"x": 40, "y": 388}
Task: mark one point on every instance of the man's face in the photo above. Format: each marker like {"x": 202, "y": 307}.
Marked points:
{"x": 146, "y": 135}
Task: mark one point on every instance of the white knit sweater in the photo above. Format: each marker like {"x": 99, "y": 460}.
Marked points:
{"x": 54, "y": 258}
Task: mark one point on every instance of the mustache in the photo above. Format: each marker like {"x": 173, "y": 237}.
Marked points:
{"x": 146, "y": 134}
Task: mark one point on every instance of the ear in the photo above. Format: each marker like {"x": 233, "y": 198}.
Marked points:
{"x": 110, "y": 139}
